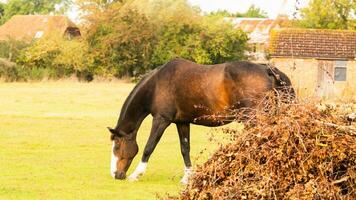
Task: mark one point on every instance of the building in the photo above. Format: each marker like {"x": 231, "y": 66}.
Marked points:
{"x": 258, "y": 30}
{"x": 319, "y": 62}
{"x": 29, "y": 27}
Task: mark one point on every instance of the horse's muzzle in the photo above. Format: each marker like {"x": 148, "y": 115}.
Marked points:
{"x": 120, "y": 175}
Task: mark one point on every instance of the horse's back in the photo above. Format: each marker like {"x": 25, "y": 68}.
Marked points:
{"x": 186, "y": 90}
{"x": 221, "y": 80}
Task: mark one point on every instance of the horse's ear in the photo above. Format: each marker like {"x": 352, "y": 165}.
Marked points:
{"x": 115, "y": 132}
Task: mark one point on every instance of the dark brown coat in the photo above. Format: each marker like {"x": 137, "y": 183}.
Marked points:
{"x": 183, "y": 92}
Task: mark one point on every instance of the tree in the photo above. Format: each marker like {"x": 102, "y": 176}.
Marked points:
{"x": 120, "y": 40}
{"x": 222, "y": 42}
{"x": 252, "y": 11}
{"x": 2, "y": 10}
{"x": 25, "y": 7}
{"x": 329, "y": 14}
{"x": 130, "y": 37}
{"x": 181, "y": 31}
{"x": 221, "y": 13}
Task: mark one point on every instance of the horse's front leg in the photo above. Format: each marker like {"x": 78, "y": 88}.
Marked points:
{"x": 184, "y": 138}
{"x": 159, "y": 124}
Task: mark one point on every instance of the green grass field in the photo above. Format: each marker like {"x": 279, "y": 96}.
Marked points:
{"x": 54, "y": 144}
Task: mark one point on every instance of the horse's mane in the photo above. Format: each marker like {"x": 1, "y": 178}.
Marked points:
{"x": 146, "y": 77}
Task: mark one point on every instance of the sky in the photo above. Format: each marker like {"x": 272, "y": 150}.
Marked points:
{"x": 272, "y": 7}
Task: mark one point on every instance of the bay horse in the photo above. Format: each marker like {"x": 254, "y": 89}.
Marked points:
{"x": 181, "y": 92}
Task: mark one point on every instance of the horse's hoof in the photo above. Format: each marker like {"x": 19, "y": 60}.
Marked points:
{"x": 187, "y": 173}
{"x": 184, "y": 181}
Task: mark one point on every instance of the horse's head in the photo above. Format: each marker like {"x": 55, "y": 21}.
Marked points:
{"x": 124, "y": 149}
{"x": 282, "y": 83}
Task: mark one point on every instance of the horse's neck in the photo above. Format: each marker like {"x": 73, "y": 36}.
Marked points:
{"x": 134, "y": 110}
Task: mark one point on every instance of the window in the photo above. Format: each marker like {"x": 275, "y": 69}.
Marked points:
{"x": 340, "y": 70}
{"x": 39, "y": 34}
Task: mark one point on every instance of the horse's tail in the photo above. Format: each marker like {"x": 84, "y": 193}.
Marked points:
{"x": 282, "y": 83}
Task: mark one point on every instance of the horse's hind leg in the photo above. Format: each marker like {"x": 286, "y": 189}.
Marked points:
{"x": 184, "y": 138}
{"x": 159, "y": 124}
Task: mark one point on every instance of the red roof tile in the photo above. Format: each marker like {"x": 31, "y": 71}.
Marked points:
{"x": 313, "y": 43}
{"x": 27, "y": 27}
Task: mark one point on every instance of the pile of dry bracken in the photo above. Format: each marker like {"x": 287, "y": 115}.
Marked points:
{"x": 286, "y": 151}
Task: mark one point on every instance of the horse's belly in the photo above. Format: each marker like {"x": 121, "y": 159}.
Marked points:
{"x": 204, "y": 114}
{"x": 211, "y": 121}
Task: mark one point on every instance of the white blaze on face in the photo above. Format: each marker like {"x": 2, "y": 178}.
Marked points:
{"x": 114, "y": 159}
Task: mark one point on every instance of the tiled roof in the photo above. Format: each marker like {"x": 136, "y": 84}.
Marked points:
{"x": 27, "y": 27}
{"x": 313, "y": 43}
{"x": 257, "y": 28}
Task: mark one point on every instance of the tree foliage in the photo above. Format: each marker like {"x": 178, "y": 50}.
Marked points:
{"x": 252, "y": 12}
{"x": 58, "y": 54}
{"x": 25, "y": 7}
{"x": 131, "y": 37}
{"x": 2, "y": 10}
{"x": 222, "y": 42}
{"x": 329, "y": 14}
{"x": 120, "y": 41}
{"x": 11, "y": 49}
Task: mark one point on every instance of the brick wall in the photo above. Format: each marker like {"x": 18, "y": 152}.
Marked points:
{"x": 304, "y": 76}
